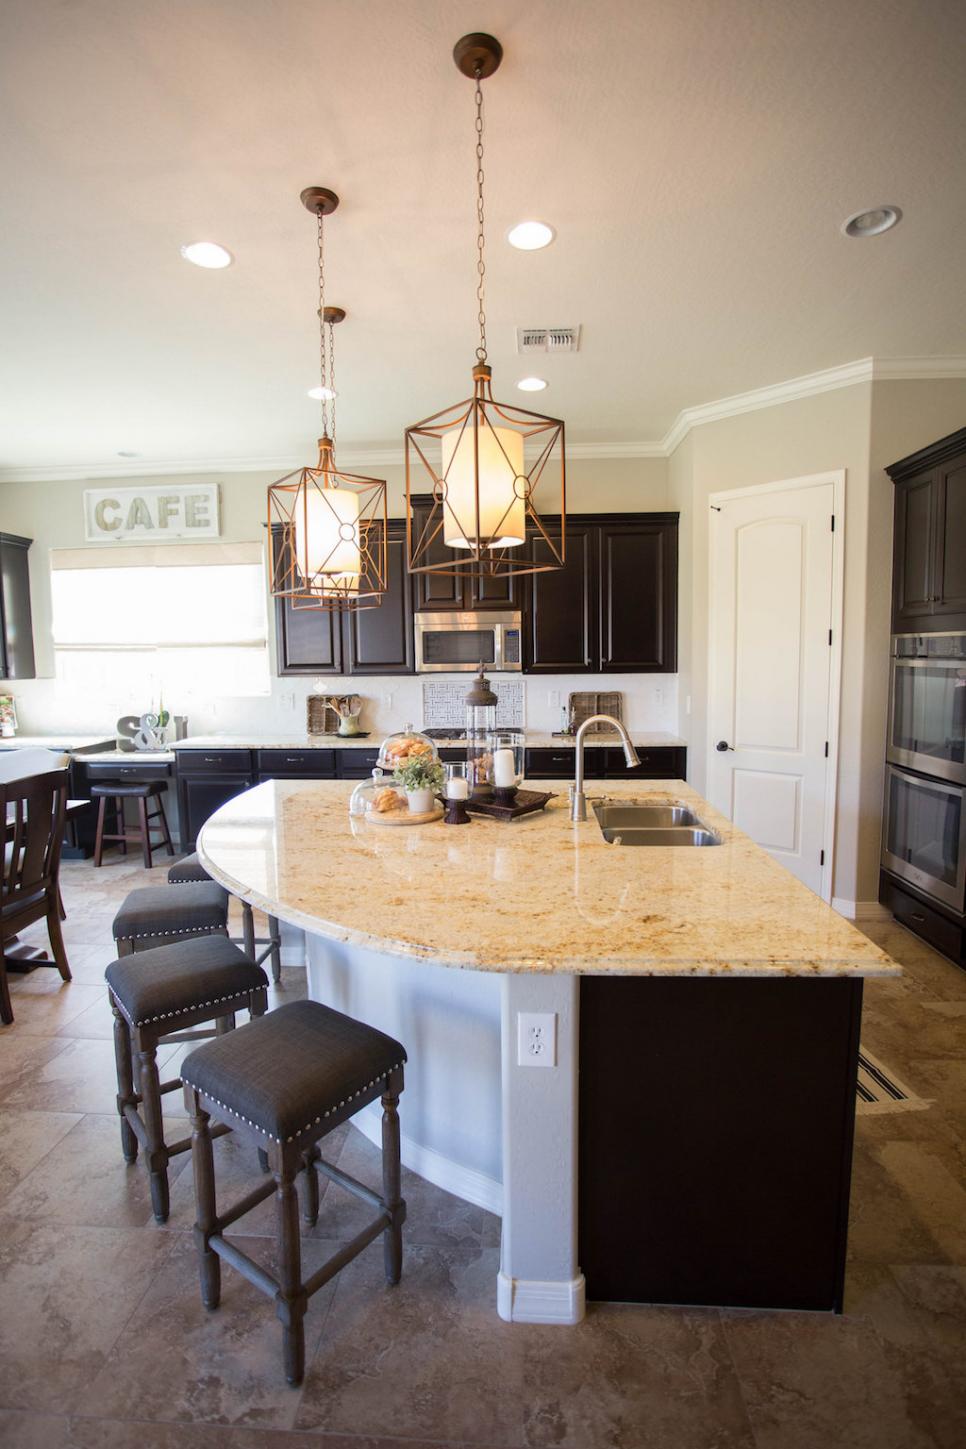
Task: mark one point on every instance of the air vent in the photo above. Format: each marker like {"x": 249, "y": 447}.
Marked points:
{"x": 548, "y": 339}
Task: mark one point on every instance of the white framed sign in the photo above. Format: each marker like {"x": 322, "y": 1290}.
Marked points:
{"x": 174, "y": 511}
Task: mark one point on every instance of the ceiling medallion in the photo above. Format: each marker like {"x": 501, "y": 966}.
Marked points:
{"x": 327, "y": 528}
{"x": 482, "y": 461}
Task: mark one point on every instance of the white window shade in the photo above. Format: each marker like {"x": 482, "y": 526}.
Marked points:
{"x": 190, "y": 619}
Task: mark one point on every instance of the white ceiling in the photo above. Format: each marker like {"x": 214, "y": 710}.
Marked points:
{"x": 696, "y": 157}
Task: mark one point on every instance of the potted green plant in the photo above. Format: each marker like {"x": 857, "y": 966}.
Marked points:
{"x": 420, "y": 778}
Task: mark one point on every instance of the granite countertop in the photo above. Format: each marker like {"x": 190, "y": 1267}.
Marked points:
{"x": 645, "y": 739}
{"x": 134, "y": 757}
{"x": 77, "y": 744}
{"x": 540, "y": 895}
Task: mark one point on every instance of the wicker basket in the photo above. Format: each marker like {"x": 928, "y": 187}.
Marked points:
{"x": 584, "y": 703}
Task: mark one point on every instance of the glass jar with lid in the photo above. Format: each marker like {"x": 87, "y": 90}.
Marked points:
{"x": 378, "y": 793}
{"x": 407, "y": 744}
{"x": 480, "y": 724}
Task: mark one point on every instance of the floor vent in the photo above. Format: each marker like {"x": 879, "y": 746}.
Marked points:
{"x": 878, "y": 1090}
{"x": 548, "y": 339}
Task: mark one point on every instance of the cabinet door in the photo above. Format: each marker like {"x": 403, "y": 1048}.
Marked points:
{"x": 308, "y": 640}
{"x": 914, "y": 548}
{"x": 16, "y": 629}
{"x": 436, "y": 592}
{"x": 560, "y": 626}
{"x": 200, "y": 796}
{"x": 502, "y": 592}
{"x": 950, "y": 590}
{"x": 638, "y": 598}
{"x": 380, "y": 640}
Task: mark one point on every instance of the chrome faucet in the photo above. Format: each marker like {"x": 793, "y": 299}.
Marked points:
{"x": 578, "y": 800}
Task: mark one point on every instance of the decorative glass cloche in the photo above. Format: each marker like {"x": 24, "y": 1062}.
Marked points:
{"x": 378, "y": 794}
{"x": 405, "y": 745}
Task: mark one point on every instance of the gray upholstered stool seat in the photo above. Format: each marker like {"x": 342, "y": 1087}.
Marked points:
{"x": 155, "y": 994}
{"x": 285, "y": 1081}
{"x": 117, "y": 790}
{"x": 153, "y": 916}
{"x": 190, "y": 871}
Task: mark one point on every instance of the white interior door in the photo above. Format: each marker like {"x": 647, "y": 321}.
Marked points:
{"x": 771, "y": 601}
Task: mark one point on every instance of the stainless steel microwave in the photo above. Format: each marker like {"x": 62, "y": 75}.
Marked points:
{"x": 458, "y": 642}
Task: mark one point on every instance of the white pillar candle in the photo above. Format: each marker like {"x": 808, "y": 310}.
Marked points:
{"x": 504, "y": 772}
{"x": 457, "y": 788}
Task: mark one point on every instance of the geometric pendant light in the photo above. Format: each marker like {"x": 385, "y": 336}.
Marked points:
{"x": 481, "y": 461}
{"x": 327, "y": 527}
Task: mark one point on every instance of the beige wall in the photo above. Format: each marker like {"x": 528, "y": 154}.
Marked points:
{"x": 858, "y": 429}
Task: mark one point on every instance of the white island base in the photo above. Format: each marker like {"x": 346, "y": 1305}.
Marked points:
{"x": 474, "y": 1122}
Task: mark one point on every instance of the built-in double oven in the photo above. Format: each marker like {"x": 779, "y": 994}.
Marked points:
{"x": 924, "y": 840}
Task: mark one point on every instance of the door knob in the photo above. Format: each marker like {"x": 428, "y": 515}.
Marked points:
{"x": 723, "y": 745}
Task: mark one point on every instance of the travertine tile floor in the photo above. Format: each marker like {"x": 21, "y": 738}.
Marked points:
{"x": 104, "y": 1343}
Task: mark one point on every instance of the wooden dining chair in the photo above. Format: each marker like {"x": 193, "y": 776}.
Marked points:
{"x": 32, "y": 810}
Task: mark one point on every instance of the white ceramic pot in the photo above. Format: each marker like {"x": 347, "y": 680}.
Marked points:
{"x": 420, "y": 801}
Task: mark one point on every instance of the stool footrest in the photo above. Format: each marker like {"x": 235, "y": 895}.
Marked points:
{"x": 345, "y": 1255}
{"x": 245, "y": 1265}
{"x": 244, "y": 1205}
{"x": 349, "y": 1183}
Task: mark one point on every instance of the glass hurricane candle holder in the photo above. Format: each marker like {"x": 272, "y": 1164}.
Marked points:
{"x": 506, "y": 751}
{"x": 456, "y": 792}
{"x": 480, "y": 724}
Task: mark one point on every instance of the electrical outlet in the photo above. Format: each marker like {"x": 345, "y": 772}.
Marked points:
{"x": 388, "y": 699}
{"x": 553, "y": 698}
{"x": 536, "y": 1039}
{"x": 287, "y": 699}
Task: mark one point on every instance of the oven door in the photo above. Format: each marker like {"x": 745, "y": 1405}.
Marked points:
{"x": 924, "y": 835}
{"x": 927, "y": 716}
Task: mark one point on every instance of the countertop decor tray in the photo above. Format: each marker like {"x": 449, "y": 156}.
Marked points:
{"x": 525, "y": 803}
{"x": 404, "y": 817}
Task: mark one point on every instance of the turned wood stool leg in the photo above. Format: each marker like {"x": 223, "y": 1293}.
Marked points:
{"x": 392, "y": 1188}
{"x": 310, "y": 1195}
{"x": 145, "y": 827}
{"x": 275, "y": 936}
{"x": 99, "y": 835}
{"x": 125, "y": 1083}
{"x": 165, "y": 832}
{"x": 291, "y": 1300}
{"x": 248, "y": 930}
{"x": 155, "y": 1151}
{"x": 121, "y": 823}
{"x": 206, "y": 1220}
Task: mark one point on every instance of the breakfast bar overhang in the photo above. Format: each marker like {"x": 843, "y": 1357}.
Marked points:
{"x": 686, "y": 1135}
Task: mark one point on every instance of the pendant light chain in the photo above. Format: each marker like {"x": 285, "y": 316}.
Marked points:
{"x": 325, "y": 333}
{"x": 332, "y": 379}
{"x": 480, "y": 239}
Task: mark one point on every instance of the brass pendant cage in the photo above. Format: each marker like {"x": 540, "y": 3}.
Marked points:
{"x": 482, "y": 462}
{"x": 328, "y": 537}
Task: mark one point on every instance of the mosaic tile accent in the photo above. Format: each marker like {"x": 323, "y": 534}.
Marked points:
{"x": 443, "y": 702}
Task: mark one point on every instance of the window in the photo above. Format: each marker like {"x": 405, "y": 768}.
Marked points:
{"x": 177, "y": 621}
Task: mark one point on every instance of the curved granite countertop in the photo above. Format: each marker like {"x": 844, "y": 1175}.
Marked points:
{"x": 537, "y": 895}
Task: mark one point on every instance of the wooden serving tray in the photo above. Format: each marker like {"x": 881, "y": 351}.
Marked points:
{"x": 404, "y": 817}
{"x": 526, "y": 802}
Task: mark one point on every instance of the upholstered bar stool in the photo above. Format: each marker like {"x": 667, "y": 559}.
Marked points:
{"x": 156, "y": 915}
{"x": 190, "y": 871}
{"x": 285, "y": 1081}
{"x": 148, "y": 819}
{"x": 155, "y": 996}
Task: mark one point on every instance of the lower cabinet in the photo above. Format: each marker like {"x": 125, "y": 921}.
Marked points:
{"x": 663, "y": 762}
{"x": 206, "y": 780}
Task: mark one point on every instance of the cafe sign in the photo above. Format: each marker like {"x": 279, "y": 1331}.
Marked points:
{"x": 151, "y": 515}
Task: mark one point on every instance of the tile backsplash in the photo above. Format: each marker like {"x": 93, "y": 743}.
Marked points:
{"x": 444, "y": 702}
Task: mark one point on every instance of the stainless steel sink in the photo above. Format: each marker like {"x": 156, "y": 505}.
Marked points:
{"x": 638, "y": 822}
{"x": 680, "y": 835}
{"x": 614, "y": 814}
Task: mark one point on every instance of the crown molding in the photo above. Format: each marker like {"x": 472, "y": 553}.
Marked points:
{"x": 864, "y": 369}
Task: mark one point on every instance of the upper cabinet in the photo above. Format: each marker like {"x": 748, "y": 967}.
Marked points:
{"x": 16, "y": 629}
{"x": 929, "y": 560}
{"x": 445, "y": 593}
{"x": 611, "y": 609}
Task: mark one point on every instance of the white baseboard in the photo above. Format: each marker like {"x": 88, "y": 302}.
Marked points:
{"x": 293, "y": 955}
{"x": 465, "y": 1182}
{"x": 526, "y": 1300}
{"x": 860, "y": 910}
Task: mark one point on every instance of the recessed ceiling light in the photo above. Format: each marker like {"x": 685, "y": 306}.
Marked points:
{"x": 530, "y": 236}
{"x": 872, "y": 222}
{"x": 124, "y": 453}
{"x": 207, "y": 254}
{"x": 532, "y": 384}
{"x": 320, "y": 393}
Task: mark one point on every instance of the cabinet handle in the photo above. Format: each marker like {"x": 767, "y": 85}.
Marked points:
{"x": 920, "y": 919}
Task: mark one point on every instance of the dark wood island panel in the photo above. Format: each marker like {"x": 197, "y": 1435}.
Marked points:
{"x": 715, "y": 1139}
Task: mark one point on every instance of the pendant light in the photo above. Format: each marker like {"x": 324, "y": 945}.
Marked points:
{"x": 327, "y": 527}
{"x": 480, "y": 460}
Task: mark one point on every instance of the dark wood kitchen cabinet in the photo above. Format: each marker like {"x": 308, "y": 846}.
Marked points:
{"x": 16, "y": 626}
{"x": 206, "y": 780}
{"x": 929, "y": 549}
{"x": 367, "y": 641}
{"x": 612, "y": 608}
{"x": 444, "y": 593}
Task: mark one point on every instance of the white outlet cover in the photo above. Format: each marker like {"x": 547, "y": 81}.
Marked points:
{"x": 536, "y": 1038}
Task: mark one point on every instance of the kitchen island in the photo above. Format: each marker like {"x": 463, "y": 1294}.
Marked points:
{"x": 687, "y": 1134}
